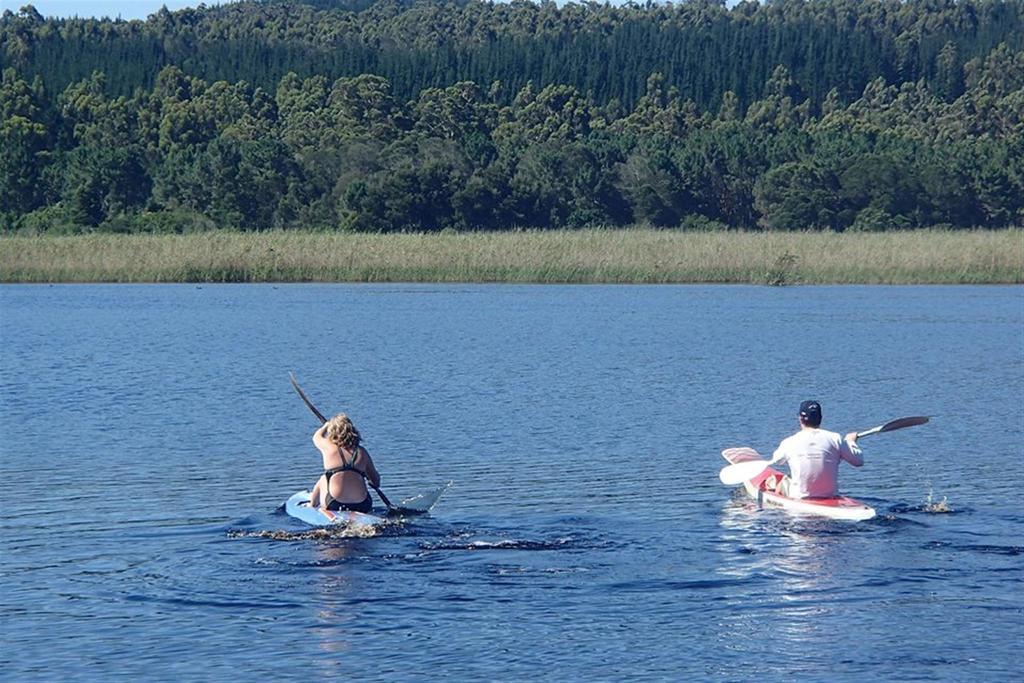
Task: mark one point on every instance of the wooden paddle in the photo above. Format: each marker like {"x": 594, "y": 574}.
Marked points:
{"x": 320, "y": 416}
{"x": 740, "y": 472}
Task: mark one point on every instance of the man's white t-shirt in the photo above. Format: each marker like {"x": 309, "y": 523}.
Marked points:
{"x": 813, "y": 456}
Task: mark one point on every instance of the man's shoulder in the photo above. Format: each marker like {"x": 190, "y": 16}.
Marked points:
{"x": 817, "y": 435}
{"x": 793, "y": 438}
{"x": 829, "y": 439}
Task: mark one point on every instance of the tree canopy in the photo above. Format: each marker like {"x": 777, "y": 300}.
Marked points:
{"x": 415, "y": 115}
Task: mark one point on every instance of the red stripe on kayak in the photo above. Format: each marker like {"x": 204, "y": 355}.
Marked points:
{"x": 838, "y": 502}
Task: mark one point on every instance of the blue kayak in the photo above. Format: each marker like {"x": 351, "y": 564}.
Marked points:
{"x": 298, "y": 507}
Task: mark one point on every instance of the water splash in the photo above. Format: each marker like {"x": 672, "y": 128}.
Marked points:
{"x": 936, "y": 507}
{"x": 318, "y": 534}
{"x": 492, "y": 545}
{"x": 928, "y": 506}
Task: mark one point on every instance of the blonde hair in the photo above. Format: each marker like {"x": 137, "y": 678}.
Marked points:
{"x": 342, "y": 432}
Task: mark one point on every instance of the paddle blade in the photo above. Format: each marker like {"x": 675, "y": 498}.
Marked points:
{"x": 893, "y": 425}
{"x": 420, "y": 504}
{"x": 903, "y": 422}
{"x": 741, "y": 453}
{"x": 742, "y": 471}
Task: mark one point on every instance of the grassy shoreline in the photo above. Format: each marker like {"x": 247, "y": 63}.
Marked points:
{"x": 585, "y": 256}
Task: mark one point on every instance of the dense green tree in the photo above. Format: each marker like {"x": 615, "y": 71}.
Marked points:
{"x": 410, "y": 192}
{"x": 878, "y": 181}
{"x": 798, "y": 195}
{"x": 23, "y": 156}
{"x": 461, "y": 112}
{"x": 25, "y": 144}
{"x": 102, "y": 183}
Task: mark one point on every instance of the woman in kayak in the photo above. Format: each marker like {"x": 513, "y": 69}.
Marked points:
{"x": 813, "y": 455}
{"x": 347, "y": 467}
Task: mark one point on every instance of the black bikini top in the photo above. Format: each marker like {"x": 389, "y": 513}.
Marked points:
{"x": 345, "y": 467}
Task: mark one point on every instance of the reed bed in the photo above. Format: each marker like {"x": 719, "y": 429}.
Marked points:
{"x": 585, "y": 256}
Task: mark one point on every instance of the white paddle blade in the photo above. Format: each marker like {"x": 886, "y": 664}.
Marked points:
{"x": 742, "y": 471}
{"x": 735, "y": 455}
{"x": 424, "y": 501}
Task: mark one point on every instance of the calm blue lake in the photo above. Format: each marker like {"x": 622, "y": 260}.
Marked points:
{"x": 149, "y": 436}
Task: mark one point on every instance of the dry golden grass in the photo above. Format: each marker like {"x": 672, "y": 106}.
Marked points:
{"x": 634, "y": 255}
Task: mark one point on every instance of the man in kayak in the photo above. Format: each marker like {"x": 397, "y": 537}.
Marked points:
{"x": 347, "y": 466}
{"x": 813, "y": 455}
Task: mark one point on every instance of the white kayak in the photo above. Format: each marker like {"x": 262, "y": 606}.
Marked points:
{"x": 839, "y": 507}
{"x": 298, "y": 507}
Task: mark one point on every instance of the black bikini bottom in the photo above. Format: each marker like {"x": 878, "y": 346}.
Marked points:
{"x": 363, "y": 506}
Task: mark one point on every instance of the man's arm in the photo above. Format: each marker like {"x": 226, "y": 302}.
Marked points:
{"x": 781, "y": 454}
{"x": 850, "y": 451}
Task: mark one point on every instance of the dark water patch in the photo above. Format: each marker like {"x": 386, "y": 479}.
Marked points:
{"x": 890, "y": 522}
{"x": 125, "y": 568}
{"x": 906, "y": 576}
{"x": 205, "y": 527}
{"x": 212, "y": 602}
{"x": 1007, "y": 550}
{"x": 647, "y": 586}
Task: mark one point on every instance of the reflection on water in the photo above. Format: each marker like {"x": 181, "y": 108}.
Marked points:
{"x": 334, "y": 611}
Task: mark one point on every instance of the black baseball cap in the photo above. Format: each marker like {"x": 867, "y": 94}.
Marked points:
{"x": 810, "y": 411}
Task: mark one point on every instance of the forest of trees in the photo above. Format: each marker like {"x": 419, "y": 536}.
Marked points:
{"x": 409, "y": 115}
